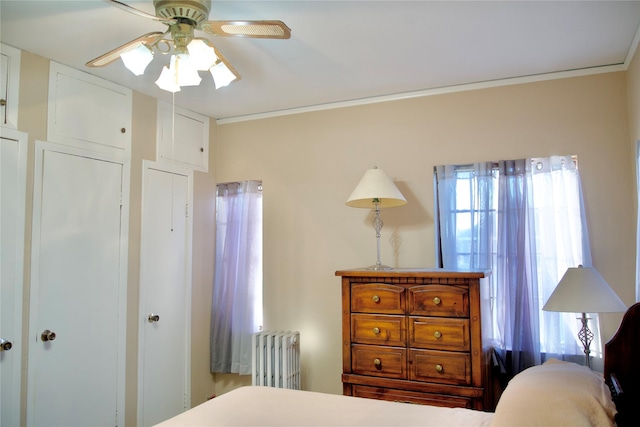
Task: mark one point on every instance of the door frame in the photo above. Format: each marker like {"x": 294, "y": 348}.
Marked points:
{"x": 176, "y": 170}
{"x": 18, "y": 286}
{"x": 40, "y": 148}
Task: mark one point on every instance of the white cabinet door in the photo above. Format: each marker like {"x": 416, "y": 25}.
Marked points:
{"x": 165, "y": 291}
{"x": 183, "y": 138}
{"x": 9, "y": 85}
{"x": 88, "y": 112}
{"x": 78, "y": 289}
{"x": 13, "y": 174}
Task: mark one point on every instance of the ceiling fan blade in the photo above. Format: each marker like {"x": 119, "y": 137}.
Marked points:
{"x": 138, "y": 12}
{"x": 106, "y": 59}
{"x": 253, "y": 29}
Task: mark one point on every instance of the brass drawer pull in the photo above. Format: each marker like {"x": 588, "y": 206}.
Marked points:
{"x": 377, "y": 362}
{"x": 437, "y": 334}
{"x": 375, "y": 298}
{"x": 376, "y": 331}
{"x": 437, "y": 301}
{"x": 439, "y": 368}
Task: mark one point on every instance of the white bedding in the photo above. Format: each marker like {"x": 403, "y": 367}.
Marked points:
{"x": 554, "y": 394}
{"x": 265, "y": 407}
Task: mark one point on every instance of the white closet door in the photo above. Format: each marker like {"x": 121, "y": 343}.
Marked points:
{"x": 78, "y": 290}
{"x": 13, "y": 172}
{"x": 165, "y": 291}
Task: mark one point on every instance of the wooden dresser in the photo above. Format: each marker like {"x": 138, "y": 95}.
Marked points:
{"x": 414, "y": 335}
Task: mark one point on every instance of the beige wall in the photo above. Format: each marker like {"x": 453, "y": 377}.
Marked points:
{"x": 310, "y": 163}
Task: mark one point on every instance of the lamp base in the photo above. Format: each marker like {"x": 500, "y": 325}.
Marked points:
{"x": 379, "y": 267}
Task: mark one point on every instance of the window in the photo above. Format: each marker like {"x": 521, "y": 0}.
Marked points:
{"x": 524, "y": 220}
{"x": 236, "y": 309}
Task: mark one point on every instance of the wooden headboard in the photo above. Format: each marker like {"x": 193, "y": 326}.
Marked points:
{"x": 622, "y": 367}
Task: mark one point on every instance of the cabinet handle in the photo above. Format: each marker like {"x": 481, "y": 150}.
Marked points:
{"x": 3, "y": 102}
{"x": 437, "y": 301}
{"x": 123, "y": 130}
{"x": 377, "y": 362}
{"x": 439, "y": 368}
{"x": 437, "y": 334}
{"x": 375, "y": 298}
{"x": 376, "y": 331}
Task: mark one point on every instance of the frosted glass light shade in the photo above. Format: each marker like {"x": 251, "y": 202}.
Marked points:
{"x": 167, "y": 80}
{"x": 136, "y": 60}
{"x": 202, "y": 55}
{"x": 187, "y": 74}
{"x": 376, "y": 184}
{"x": 222, "y": 75}
{"x": 583, "y": 290}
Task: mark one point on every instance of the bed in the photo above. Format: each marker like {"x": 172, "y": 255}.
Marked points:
{"x": 555, "y": 393}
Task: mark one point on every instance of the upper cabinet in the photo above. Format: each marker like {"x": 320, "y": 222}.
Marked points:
{"x": 183, "y": 137}
{"x": 9, "y": 85}
{"x": 88, "y": 112}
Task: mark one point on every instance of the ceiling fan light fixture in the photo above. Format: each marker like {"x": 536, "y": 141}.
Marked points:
{"x": 222, "y": 75}
{"x": 137, "y": 59}
{"x": 202, "y": 55}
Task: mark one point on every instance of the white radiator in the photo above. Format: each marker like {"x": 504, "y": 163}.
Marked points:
{"x": 276, "y": 359}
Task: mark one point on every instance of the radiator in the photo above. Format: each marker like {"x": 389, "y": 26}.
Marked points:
{"x": 276, "y": 359}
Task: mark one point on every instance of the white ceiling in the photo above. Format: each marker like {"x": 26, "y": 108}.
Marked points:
{"x": 344, "y": 51}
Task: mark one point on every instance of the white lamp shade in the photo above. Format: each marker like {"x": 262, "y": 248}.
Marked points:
{"x": 583, "y": 290}
{"x": 136, "y": 60}
{"x": 222, "y": 75}
{"x": 375, "y": 184}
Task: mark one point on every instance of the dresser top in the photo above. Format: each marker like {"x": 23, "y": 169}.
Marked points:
{"x": 415, "y": 272}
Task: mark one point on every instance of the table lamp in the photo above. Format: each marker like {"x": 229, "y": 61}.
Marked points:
{"x": 583, "y": 290}
{"x": 376, "y": 191}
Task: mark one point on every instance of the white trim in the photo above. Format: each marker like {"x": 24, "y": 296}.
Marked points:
{"x": 632, "y": 49}
{"x": 15, "y": 335}
{"x": 431, "y": 92}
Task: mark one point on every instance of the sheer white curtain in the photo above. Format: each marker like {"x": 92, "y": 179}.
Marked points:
{"x": 523, "y": 219}
{"x": 236, "y": 310}
{"x": 563, "y": 242}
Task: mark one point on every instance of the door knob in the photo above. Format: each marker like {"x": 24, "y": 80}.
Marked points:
{"x": 153, "y": 318}
{"x": 47, "y": 335}
{"x": 5, "y": 345}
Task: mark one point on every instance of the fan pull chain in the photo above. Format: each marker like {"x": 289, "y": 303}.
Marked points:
{"x": 173, "y": 153}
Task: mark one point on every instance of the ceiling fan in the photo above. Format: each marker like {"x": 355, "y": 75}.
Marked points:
{"x": 189, "y": 54}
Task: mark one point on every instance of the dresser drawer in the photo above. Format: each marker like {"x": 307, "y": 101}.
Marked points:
{"x": 439, "y": 333}
{"x": 440, "y": 366}
{"x": 377, "y": 298}
{"x": 378, "y": 329}
{"x": 379, "y": 361}
{"x": 439, "y": 300}
{"x": 404, "y": 396}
